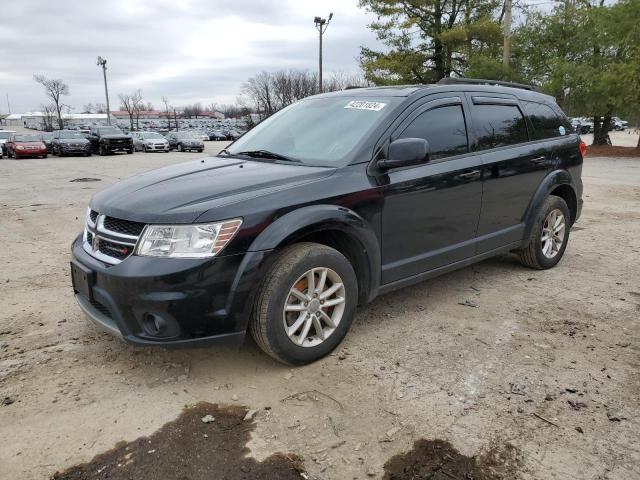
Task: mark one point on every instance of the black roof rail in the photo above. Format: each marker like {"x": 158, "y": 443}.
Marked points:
{"x": 353, "y": 87}
{"x": 481, "y": 81}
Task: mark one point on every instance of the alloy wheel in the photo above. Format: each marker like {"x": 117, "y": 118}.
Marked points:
{"x": 553, "y": 233}
{"x": 314, "y": 307}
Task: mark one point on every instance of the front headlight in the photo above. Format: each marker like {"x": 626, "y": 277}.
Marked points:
{"x": 187, "y": 241}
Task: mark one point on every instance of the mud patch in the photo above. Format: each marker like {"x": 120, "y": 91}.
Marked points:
{"x": 439, "y": 460}
{"x": 190, "y": 448}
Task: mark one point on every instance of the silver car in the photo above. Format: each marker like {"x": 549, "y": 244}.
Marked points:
{"x": 149, "y": 142}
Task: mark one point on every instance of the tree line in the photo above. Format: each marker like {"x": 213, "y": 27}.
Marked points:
{"x": 583, "y": 52}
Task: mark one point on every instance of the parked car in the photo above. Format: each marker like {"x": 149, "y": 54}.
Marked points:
{"x": 46, "y": 138}
{"x": 619, "y": 124}
{"x": 106, "y": 140}
{"x": 322, "y": 207}
{"x": 183, "y": 141}
{"x": 201, "y": 135}
{"x": 70, "y": 142}
{"x": 580, "y": 126}
{"x": 24, "y": 145}
{"x": 149, "y": 142}
{"x": 216, "y": 135}
{"x": 4, "y": 136}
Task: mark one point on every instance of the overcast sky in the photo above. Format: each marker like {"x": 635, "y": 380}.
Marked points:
{"x": 188, "y": 50}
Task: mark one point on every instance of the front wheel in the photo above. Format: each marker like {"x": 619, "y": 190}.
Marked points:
{"x": 102, "y": 151}
{"x": 549, "y": 235}
{"x": 305, "y": 304}
{"x": 180, "y": 147}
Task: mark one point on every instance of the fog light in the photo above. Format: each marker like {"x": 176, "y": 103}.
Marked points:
{"x": 153, "y": 324}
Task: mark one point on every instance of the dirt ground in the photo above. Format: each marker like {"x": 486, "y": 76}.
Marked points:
{"x": 495, "y": 370}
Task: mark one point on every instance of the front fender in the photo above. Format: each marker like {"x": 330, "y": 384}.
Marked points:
{"x": 287, "y": 229}
{"x": 548, "y": 184}
{"x": 314, "y": 218}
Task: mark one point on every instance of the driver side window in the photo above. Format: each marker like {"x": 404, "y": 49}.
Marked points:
{"x": 444, "y": 128}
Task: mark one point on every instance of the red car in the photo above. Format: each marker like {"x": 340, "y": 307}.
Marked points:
{"x": 26, "y": 145}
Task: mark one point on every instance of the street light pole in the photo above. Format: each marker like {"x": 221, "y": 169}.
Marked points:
{"x": 321, "y": 25}
{"x": 103, "y": 63}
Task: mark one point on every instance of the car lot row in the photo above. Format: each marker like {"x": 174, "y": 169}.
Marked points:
{"x": 102, "y": 140}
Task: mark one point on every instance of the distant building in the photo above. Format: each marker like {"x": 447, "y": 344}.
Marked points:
{"x": 37, "y": 119}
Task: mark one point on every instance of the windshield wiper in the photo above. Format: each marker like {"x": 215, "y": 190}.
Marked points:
{"x": 268, "y": 154}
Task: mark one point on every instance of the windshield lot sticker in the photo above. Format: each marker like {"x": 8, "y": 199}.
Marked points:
{"x": 362, "y": 105}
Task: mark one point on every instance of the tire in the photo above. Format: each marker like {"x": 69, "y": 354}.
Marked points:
{"x": 288, "y": 270}
{"x": 101, "y": 151}
{"x": 130, "y": 151}
{"x": 532, "y": 254}
{"x": 45, "y": 156}
{"x": 200, "y": 150}
{"x": 180, "y": 147}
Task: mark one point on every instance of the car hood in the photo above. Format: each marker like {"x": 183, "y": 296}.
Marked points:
{"x": 30, "y": 144}
{"x": 181, "y": 193}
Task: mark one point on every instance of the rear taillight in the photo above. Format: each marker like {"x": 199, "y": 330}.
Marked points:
{"x": 583, "y": 148}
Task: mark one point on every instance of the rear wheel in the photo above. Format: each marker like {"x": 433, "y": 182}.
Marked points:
{"x": 549, "y": 235}
{"x": 305, "y": 304}
{"x": 102, "y": 151}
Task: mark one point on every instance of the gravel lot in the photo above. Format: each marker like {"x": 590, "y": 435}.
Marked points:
{"x": 535, "y": 370}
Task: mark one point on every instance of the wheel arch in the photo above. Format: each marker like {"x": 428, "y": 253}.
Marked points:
{"x": 333, "y": 226}
{"x": 558, "y": 183}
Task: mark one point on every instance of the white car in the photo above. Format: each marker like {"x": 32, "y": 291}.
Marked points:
{"x": 4, "y": 136}
{"x": 149, "y": 142}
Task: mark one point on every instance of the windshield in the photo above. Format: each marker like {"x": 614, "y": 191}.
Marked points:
{"x": 5, "y": 135}
{"x": 46, "y": 136}
{"x": 320, "y": 131}
{"x": 71, "y": 135}
{"x": 153, "y": 135}
{"x": 110, "y": 131}
{"x": 27, "y": 138}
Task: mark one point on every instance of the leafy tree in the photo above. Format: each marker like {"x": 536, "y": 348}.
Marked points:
{"x": 427, "y": 40}
{"x": 586, "y": 55}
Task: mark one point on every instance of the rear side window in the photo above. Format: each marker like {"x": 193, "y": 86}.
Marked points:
{"x": 499, "y": 126}
{"x": 546, "y": 123}
{"x": 444, "y": 128}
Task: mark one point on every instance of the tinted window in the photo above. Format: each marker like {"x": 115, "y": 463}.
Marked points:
{"x": 444, "y": 128}
{"x": 499, "y": 126}
{"x": 546, "y": 124}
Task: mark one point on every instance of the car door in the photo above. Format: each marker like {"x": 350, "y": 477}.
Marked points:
{"x": 513, "y": 167}
{"x": 431, "y": 211}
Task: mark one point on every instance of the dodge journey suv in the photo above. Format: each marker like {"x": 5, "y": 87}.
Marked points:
{"x": 325, "y": 205}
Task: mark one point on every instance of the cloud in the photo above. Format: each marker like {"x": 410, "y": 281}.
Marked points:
{"x": 197, "y": 50}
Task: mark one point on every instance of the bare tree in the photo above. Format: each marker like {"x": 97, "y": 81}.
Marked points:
{"x": 100, "y": 108}
{"x": 54, "y": 89}
{"x": 131, "y": 103}
{"x": 168, "y": 112}
{"x": 48, "y": 116}
{"x": 88, "y": 108}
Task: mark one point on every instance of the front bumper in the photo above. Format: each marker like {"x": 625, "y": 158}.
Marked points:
{"x": 30, "y": 153}
{"x": 195, "y": 301}
{"x": 72, "y": 149}
{"x": 159, "y": 147}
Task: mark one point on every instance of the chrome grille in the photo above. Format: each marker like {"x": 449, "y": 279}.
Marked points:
{"x": 110, "y": 239}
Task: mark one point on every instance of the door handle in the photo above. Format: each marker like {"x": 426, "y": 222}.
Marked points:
{"x": 473, "y": 174}
{"x": 539, "y": 160}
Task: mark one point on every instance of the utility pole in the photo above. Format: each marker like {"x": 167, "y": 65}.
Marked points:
{"x": 506, "y": 51}
{"x": 103, "y": 63}
{"x": 321, "y": 25}
{"x": 8, "y": 104}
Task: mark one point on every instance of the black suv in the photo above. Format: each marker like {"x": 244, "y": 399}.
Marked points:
{"x": 106, "y": 140}
{"x": 330, "y": 202}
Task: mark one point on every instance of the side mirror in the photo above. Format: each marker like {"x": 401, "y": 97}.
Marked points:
{"x": 405, "y": 152}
